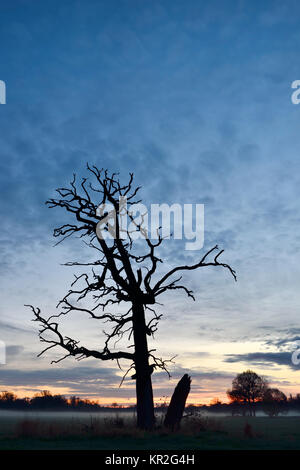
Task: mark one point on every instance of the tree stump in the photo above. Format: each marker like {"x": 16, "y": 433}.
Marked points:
{"x": 177, "y": 403}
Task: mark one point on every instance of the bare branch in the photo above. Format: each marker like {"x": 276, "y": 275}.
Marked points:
{"x": 202, "y": 263}
{"x": 71, "y": 345}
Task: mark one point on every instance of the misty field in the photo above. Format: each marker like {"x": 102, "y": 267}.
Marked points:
{"x": 111, "y": 431}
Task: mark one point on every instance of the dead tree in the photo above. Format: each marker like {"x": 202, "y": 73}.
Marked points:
{"x": 121, "y": 275}
{"x": 177, "y": 403}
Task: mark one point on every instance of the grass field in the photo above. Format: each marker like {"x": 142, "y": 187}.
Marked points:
{"x": 113, "y": 433}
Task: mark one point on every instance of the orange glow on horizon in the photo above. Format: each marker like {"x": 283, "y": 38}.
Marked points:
{"x": 31, "y": 392}
{"x": 195, "y": 399}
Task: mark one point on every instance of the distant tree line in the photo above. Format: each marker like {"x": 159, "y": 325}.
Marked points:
{"x": 250, "y": 393}
{"x": 271, "y": 407}
{"x": 48, "y": 402}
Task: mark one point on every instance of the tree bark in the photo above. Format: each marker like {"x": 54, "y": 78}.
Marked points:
{"x": 144, "y": 393}
{"x": 177, "y": 403}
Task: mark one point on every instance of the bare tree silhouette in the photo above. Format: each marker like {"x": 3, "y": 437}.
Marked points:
{"x": 118, "y": 276}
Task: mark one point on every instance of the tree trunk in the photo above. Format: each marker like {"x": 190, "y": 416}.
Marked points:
{"x": 144, "y": 393}
{"x": 253, "y": 408}
{"x": 177, "y": 403}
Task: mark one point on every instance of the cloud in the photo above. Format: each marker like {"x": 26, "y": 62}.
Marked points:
{"x": 284, "y": 338}
{"x": 265, "y": 359}
{"x": 12, "y": 327}
{"x": 62, "y": 377}
{"x": 13, "y": 351}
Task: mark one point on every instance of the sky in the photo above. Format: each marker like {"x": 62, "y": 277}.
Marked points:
{"x": 195, "y": 98}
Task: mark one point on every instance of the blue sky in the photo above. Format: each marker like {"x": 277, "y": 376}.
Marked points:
{"x": 195, "y": 98}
